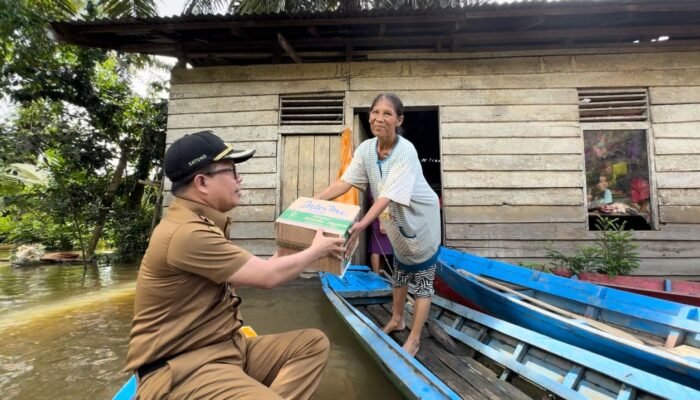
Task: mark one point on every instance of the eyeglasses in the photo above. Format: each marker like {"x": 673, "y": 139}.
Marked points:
{"x": 231, "y": 169}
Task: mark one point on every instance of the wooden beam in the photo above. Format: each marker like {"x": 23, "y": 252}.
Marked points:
{"x": 276, "y": 54}
{"x": 267, "y": 47}
{"x": 172, "y": 37}
{"x": 238, "y": 32}
{"x": 619, "y": 21}
{"x": 475, "y": 38}
{"x": 578, "y": 34}
{"x": 288, "y": 48}
{"x": 313, "y": 31}
{"x": 533, "y": 22}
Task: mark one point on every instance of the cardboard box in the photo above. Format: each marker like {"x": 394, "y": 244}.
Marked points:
{"x": 297, "y": 226}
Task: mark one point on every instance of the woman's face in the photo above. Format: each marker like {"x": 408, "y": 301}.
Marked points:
{"x": 383, "y": 120}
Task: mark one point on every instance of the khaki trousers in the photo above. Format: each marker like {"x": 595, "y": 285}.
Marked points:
{"x": 281, "y": 366}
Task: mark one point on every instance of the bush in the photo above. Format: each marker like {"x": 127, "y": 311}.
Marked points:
{"x": 39, "y": 227}
{"x": 612, "y": 253}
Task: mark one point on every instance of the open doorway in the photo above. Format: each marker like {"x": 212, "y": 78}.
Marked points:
{"x": 422, "y": 128}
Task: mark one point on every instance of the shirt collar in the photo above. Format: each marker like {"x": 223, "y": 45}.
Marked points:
{"x": 217, "y": 217}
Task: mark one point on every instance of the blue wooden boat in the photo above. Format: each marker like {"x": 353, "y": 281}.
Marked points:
{"x": 471, "y": 355}
{"x": 658, "y": 336}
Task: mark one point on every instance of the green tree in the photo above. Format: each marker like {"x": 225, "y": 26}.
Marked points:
{"x": 79, "y": 119}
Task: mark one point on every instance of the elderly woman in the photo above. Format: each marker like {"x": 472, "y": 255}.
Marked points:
{"x": 406, "y": 205}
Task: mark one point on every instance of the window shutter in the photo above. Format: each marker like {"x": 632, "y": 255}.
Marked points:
{"x": 312, "y": 109}
{"x": 610, "y": 105}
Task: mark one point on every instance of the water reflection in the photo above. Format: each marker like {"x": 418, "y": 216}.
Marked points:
{"x": 63, "y": 335}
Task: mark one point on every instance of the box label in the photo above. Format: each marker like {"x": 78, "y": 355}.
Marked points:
{"x": 321, "y": 221}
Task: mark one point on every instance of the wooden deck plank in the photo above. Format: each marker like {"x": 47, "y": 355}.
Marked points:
{"x": 456, "y": 382}
{"x": 464, "y": 375}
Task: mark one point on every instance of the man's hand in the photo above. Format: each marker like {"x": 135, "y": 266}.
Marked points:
{"x": 327, "y": 246}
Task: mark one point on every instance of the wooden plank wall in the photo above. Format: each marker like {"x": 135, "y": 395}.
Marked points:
{"x": 310, "y": 165}
{"x": 512, "y": 148}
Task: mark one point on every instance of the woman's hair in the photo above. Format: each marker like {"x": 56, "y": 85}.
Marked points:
{"x": 395, "y": 102}
{"x": 391, "y": 98}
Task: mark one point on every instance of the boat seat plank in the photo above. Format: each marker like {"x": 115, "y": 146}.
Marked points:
{"x": 573, "y": 377}
{"x": 627, "y": 393}
{"x": 674, "y": 338}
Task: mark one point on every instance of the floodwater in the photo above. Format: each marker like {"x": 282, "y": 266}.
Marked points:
{"x": 65, "y": 337}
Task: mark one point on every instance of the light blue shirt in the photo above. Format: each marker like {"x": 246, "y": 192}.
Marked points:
{"x": 412, "y": 219}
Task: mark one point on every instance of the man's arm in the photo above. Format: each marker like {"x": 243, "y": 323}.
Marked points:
{"x": 266, "y": 274}
{"x": 337, "y": 188}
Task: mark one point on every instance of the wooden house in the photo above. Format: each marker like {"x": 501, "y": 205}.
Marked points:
{"x": 523, "y": 114}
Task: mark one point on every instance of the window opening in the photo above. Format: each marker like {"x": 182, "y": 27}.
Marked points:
{"x": 617, "y": 177}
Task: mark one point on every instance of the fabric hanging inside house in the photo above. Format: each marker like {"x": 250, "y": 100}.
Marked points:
{"x": 346, "y": 150}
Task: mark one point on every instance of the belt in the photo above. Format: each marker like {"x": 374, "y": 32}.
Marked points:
{"x": 150, "y": 367}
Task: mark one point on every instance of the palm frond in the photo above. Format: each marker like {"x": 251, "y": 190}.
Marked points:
{"x": 56, "y": 8}
{"x": 129, "y": 8}
{"x": 67, "y": 8}
{"x": 260, "y": 6}
{"x": 27, "y": 174}
{"x": 205, "y": 6}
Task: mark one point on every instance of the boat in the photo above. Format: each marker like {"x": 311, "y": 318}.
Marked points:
{"x": 62, "y": 257}
{"x": 680, "y": 291}
{"x": 128, "y": 390}
{"x": 658, "y": 336}
{"x": 471, "y": 355}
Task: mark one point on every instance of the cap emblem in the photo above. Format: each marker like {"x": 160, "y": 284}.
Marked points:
{"x": 196, "y": 160}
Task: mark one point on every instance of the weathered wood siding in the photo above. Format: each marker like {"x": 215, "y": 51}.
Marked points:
{"x": 242, "y": 106}
{"x": 512, "y": 148}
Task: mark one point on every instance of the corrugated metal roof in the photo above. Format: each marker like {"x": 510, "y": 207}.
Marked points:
{"x": 356, "y": 35}
{"x": 365, "y": 13}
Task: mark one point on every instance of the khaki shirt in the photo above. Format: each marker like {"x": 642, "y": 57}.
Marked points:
{"x": 183, "y": 302}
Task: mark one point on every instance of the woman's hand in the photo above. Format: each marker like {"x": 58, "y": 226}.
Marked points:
{"x": 354, "y": 232}
{"x": 382, "y": 230}
{"x": 327, "y": 246}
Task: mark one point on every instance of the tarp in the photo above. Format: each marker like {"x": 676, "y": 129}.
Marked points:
{"x": 353, "y": 195}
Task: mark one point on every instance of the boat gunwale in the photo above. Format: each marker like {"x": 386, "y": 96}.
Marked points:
{"x": 625, "y": 303}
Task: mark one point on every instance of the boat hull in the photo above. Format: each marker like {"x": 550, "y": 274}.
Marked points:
{"x": 576, "y": 332}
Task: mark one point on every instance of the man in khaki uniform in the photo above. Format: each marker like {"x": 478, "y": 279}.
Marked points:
{"x": 185, "y": 336}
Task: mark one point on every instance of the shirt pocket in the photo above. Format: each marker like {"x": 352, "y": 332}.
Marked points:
{"x": 407, "y": 232}
{"x": 410, "y": 246}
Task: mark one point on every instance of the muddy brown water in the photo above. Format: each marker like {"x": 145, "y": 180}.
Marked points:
{"x": 65, "y": 337}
